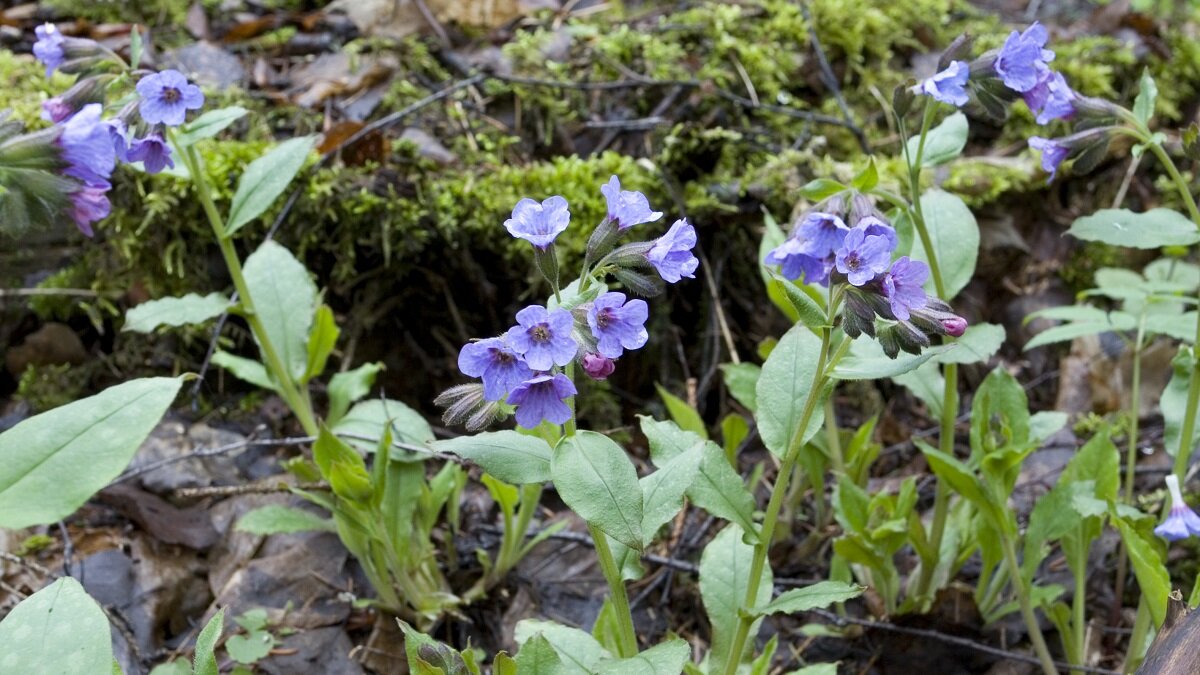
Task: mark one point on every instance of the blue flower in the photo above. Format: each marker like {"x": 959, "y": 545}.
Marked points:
{"x": 1051, "y": 99}
{"x": 89, "y": 204}
{"x": 598, "y": 367}
{"x": 949, "y": 86}
{"x": 872, "y": 225}
{"x": 49, "y": 47}
{"x": 539, "y": 224}
{"x": 541, "y": 398}
{"x": 795, "y": 263}
{"x": 618, "y": 325}
{"x": 493, "y": 361}
{"x": 863, "y": 256}
{"x": 1182, "y": 522}
{"x": 88, "y": 147}
{"x": 166, "y": 98}
{"x": 1053, "y": 154}
{"x": 543, "y": 337}
{"x": 1023, "y": 58}
{"x": 625, "y": 207}
{"x": 821, "y": 233}
{"x": 152, "y": 151}
{"x": 902, "y": 286}
{"x": 671, "y": 253}
{"x": 56, "y": 110}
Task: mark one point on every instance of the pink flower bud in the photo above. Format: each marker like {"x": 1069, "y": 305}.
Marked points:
{"x": 598, "y": 367}
{"x": 955, "y": 327}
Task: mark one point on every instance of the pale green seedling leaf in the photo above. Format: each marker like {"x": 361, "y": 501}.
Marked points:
{"x": 724, "y": 582}
{"x": 784, "y": 388}
{"x": 1121, "y": 227}
{"x": 285, "y": 299}
{"x": 1143, "y": 105}
{"x": 943, "y": 143}
{"x": 579, "y": 652}
{"x": 742, "y": 381}
{"x": 927, "y": 384}
{"x": 349, "y": 386}
{"x": 508, "y": 455}
{"x": 321, "y": 341}
{"x": 265, "y": 179}
{"x": 60, "y": 630}
{"x": 818, "y": 596}
{"x": 538, "y": 657}
{"x": 209, "y": 124}
{"x": 205, "y": 659}
{"x": 246, "y": 370}
{"x": 667, "y": 658}
{"x": 596, "y": 479}
{"x": 279, "y": 519}
{"x": 250, "y": 648}
{"x": 687, "y": 417}
{"x": 189, "y": 309}
{"x": 663, "y": 490}
{"x": 979, "y": 343}
{"x": 55, "y": 461}
{"x": 866, "y": 361}
{"x": 369, "y": 418}
{"x": 954, "y": 236}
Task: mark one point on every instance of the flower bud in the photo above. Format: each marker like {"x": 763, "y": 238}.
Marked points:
{"x": 955, "y": 327}
{"x": 857, "y": 315}
{"x": 1092, "y": 108}
{"x": 598, "y": 367}
{"x": 603, "y": 238}
{"x": 547, "y": 263}
{"x": 903, "y": 97}
{"x": 957, "y": 50}
{"x": 645, "y": 285}
{"x": 86, "y": 90}
{"x": 632, "y": 255}
{"x": 466, "y": 405}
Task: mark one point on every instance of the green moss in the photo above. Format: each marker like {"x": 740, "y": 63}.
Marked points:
{"x": 49, "y": 386}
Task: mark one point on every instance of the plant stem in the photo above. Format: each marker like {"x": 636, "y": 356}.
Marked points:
{"x": 832, "y": 437}
{"x": 1079, "y": 610}
{"x": 765, "y": 534}
{"x": 1135, "y": 405}
{"x": 295, "y": 399}
{"x": 1031, "y": 624}
{"x": 1137, "y": 639}
{"x": 627, "y": 639}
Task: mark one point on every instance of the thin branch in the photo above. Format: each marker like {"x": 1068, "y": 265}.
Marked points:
{"x": 830, "y": 79}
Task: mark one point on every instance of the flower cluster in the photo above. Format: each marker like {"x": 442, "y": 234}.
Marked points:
{"x": 857, "y": 260}
{"x": 90, "y": 145}
{"x": 1182, "y": 522}
{"x": 530, "y": 365}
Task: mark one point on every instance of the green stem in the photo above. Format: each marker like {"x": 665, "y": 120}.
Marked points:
{"x": 1079, "y": 610}
{"x": 1137, "y": 639}
{"x": 1031, "y": 624}
{"x": 291, "y": 393}
{"x": 765, "y": 534}
{"x": 627, "y": 639}
{"x": 1130, "y": 463}
{"x": 569, "y": 371}
{"x": 832, "y": 438}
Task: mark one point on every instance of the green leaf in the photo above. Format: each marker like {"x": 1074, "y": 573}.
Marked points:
{"x": 321, "y": 340}
{"x": 943, "y": 143}
{"x": 927, "y": 384}
{"x": 136, "y": 48}
{"x": 205, "y": 660}
{"x": 957, "y": 474}
{"x": 785, "y": 387}
{"x": 369, "y": 419}
{"x": 687, "y": 417}
{"x": 579, "y": 651}
{"x": 1143, "y": 105}
{"x": 772, "y": 237}
{"x": 52, "y": 463}
{"x": 506, "y": 665}
{"x": 60, "y": 629}
{"x": 817, "y": 669}
{"x": 189, "y": 309}
{"x": 821, "y": 189}
{"x": 596, "y": 479}
{"x": 251, "y": 647}
{"x": 1148, "y": 567}
{"x": 1173, "y": 404}
{"x": 508, "y": 455}
{"x": 1178, "y": 326}
{"x": 347, "y": 387}
{"x": 285, "y": 299}
{"x": 1046, "y": 423}
{"x": 278, "y": 519}
{"x": 868, "y": 178}
{"x": 818, "y": 596}
{"x": 265, "y": 179}
{"x": 734, "y": 430}
{"x": 866, "y": 361}
{"x": 663, "y": 490}
{"x": 538, "y": 657}
{"x": 1075, "y": 313}
{"x": 1121, "y": 227}
{"x": 742, "y": 381}
{"x": 954, "y": 235}
{"x": 176, "y": 667}
{"x": 667, "y": 658}
{"x": 1114, "y": 321}
{"x": 209, "y": 124}
{"x": 724, "y": 582}
{"x": 805, "y": 300}
{"x": 244, "y": 369}
{"x": 978, "y": 344}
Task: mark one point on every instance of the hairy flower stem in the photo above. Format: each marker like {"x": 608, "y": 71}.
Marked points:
{"x": 627, "y": 639}
{"x": 296, "y": 399}
{"x": 1137, "y": 640}
{"x": 766, "y": 533}
{"x": 941, "y": 500}
{"x": 1023, "y": 598}
{"x": 1135, "y": 404}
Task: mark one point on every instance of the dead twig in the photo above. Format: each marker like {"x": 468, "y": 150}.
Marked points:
{"x": 830, "y": 79}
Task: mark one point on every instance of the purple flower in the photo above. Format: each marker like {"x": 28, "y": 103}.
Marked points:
{"x": 1051, "y": 99}
{"x": 493, "y": 361}
{"x": 598, "y": 367}
{"x": 541, "y": 398}
{"x": 871, "y": 225}
{"x": 954, "y": 326}
{"x": 795, "y": 263}
{"x": 625, "y": 207}
{"x": 166, "y": 98}
{"x": 88, "y": 147}
{"x": 1053, "y": 154}
{"x": 1023, "y": 58}
{"x": 863, "y": 256}
{"x": 119, "y": 133}
{"x": 539, "y": 224}
{"x": 88, "y": 205}
{"x": 152, "y": 151}
{"x": 821, "y": 233}
{"x": 543, "y": 337}
{"x": 56, "y": 110}
{"x": 949, "y": 86}
{"x": 902, "y": 286}
{"x": 1182, "y": 522}
{"x": 672, "y": 255}
{"x": 618, "y": 325}
{"x": 49, "y": 47}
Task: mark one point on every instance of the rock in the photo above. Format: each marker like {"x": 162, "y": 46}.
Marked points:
{"x": 52, "y": 344}
{"x": 235, "y": 549}
{"x": 175, "y": 438}
{"x": 428, "y": 146}
{"x": 321, "y": 650}
{"x": 207, "y": 64}
{"x": 190, "y": 527}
